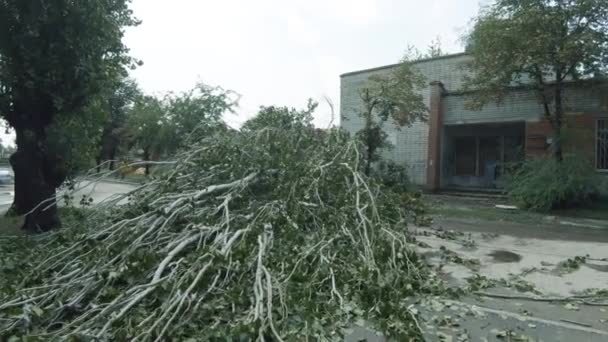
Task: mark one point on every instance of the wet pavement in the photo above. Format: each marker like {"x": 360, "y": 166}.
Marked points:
{"x": 536, "y": 269}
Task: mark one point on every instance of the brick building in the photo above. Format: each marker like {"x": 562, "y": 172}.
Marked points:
{"x": 459, "y": 147}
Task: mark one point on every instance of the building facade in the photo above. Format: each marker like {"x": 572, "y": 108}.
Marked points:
{"x": 459, "y": 147}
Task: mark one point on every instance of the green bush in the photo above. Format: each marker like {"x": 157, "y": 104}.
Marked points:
{"x": 395, "y": 177}
{"x": 392, "y": 175}
{"x": 543, "y": 184}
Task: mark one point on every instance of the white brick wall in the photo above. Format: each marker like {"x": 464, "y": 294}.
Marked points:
{"x": 411, "y": 142}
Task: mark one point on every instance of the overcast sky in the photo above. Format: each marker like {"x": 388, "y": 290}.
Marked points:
{"x": 281, "y": 52}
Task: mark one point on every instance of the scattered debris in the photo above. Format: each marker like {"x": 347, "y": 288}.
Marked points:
{"x": 571, "y": 264}
{"x": 570, "y": 306}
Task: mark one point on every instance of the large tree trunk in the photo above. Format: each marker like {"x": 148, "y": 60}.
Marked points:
{"x": 38, "y": 173}
{"x": 98, "y": 163}
{"x": 147, "y": 159}
{"x": 112, "y": 158}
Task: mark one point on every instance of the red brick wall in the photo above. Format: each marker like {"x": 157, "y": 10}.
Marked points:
{"x": 537, "y": 134}
{"x": 578, "y": 136}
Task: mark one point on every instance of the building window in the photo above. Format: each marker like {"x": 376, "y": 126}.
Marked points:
{"x": 601, "y": 151}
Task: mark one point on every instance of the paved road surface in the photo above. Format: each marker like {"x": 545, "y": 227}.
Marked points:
{"x": 99, "y": 191}
{"x": 6, "y": 195}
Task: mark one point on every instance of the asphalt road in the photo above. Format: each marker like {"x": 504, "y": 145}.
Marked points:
{"x": 6, "y": 195}
{"x": 99, "y": 191}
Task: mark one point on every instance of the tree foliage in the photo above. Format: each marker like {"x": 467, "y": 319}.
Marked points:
{"x": 148, "y": 127}
{"x": 282, "y": 118}
{"x": 78, "y": 137}
{"x": 118, "y": 105}
{"x": 161, "y": 125}
{"x": 55, "y": 58}
{"x": 544, "y": 183}
{"x": 540, "y": 45}
{"x": 269, "y": 234}
{"x": 203, "y": 104}
{"x": 435, "y": 49}
{"x": 395, "y": 97}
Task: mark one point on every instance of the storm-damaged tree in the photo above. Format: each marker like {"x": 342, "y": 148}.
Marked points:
{"x": 395, "y": 97}
{"x": 55, "y": 57}
{"x": 539, "y": 45}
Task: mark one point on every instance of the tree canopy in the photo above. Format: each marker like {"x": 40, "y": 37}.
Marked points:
{"x": 56, "y": 57}
{"x": 394, "y": 97}
{"x": 282, "y": 118}
{"x": 189, "y": 110}
{"x": 148, "y": 127}
{"x": 161, "y": 125}
{"x": 119, "y": 104}
{"x": 538, "y": 44}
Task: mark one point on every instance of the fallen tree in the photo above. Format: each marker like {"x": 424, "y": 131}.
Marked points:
{"x": 264, "y": 235}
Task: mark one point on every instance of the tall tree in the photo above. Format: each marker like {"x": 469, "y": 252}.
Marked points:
{"x": 538, "y": 44}
{"x": 202, "y": 106}
{"x": 55, "y": 56}
{"x": 161, "y": 126}
{"x": 76, "y": 138}
{"x": 396, "y": 97}
{"x": 118, "y": 105}
{"x": 282, "y": 118}
{"x": 148, "y": 128}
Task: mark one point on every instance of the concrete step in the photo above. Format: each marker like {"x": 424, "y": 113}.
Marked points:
{"x": 484, "y": 194}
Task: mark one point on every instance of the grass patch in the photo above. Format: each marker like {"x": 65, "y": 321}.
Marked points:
{"x": 461, "y": 209}
{"x": 487, "y": 214}
{"x": 11, "y": 226}
{"x": 597, "y": 210}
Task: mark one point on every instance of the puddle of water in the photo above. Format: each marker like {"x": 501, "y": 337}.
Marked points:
{"x": 505, "y": 256}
